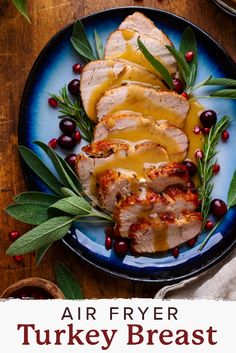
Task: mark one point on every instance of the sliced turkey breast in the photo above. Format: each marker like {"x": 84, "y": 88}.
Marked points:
{"x": 130, "y": 126}
{"x": 153, "y": 235}
{"x": 150, "y": 205}
{"x": 142, "y": 24}
{"x": 100, "y": 75}
{"x": 123, "y": 44}
{"x": 161, "y": 105}
{"x": 161, "y": 176}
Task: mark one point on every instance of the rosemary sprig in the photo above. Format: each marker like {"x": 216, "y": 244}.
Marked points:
{"x": 73, "y": 108}
{"x": 205, "y": 165}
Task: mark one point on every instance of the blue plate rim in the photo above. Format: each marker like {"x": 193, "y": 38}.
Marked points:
{"x": 25, "y": 169}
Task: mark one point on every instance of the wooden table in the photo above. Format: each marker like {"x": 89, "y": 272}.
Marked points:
{"x": 20, "y": 44}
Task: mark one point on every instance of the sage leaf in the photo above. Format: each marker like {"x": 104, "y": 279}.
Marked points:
{"x": 73, "y": 205}
{"x": 67, "y": 282}
{"x": 189, "y": 43}
{"x": 80, "y": 34}
{"x": 21, "y": 6}
{"x": 56, "y": 161}
{"x": 156, "y": 64}
{"x": 82, "y": 50}
{"x": 99, "y": 46}
{"x": 232, "y": 192}
{"x": 29, "y": 213}
{"x": 35, "y": 197}
{"x": 224, "y": 93}
{"x": 41, "y": 236}
{"x": 220, "y": 82}
{"x": 40, "y": 169}
{"x": 182, "y": 64}
{"x": 39, "y": 254}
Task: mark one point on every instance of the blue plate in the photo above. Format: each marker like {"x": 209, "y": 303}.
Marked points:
{"x": 53, "y": 69}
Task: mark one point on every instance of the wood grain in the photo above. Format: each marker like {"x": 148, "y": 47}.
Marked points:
{"x": 20, "y": 44}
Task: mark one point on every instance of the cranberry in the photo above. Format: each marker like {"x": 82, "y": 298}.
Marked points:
{"x": 215, "y": 168}
{"x": 108, "y": 242}
{"x": 192, "y": 168}
{"x": 18, "y": 258}
{"x": 225, "y": 135}
{"x": 37, "y": 295}
{"x": 67, "y": 126}
{"x": 23, "y": 295}
{"x": 66, "y": 142}
{"x": 77, "y": 136}
{"x": 77, "y": 68}
{"x": 13, "y": 235}
{"x": 218, "y": 208}
{"x": 208, "y": 118}
{"x": 189, "y": 56}
{"x": 185, "y": 95}
{"x": 206, "y": 130}
{"x": 52, "y": 143}
{"x": 175, "y": 252}
{"x": 197, "y": 129}
{"x": 198, "y": 154}
{"x": 52, "y": 102}
{"x": 178, "y": 85}
{"x": 209, "y": 225}
{"x": 121, "y": 246}
{"x": 73, "y": 87}
{"x": 192, "y": 242}
{"x": 71, "y": 159}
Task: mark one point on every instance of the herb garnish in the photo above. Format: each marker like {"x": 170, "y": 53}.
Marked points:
{"x": 21, "y": 6}
{"x": 81, "y": 43}
{"x": 231, "y": 201}
{"x": 72, "y": 107}
{"x": 67, "y": 282}
{"x": 205, "y": 165}
{"x": 53, "y": 214}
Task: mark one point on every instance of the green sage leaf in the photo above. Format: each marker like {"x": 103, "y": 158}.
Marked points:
{"x": 189, "y": 43}
{"x": 39, "y": 254}
{"x": 224, "y": 93}
{"x": 99, "y": 46}
{"x": 40, "y": 169}
{"x": 80, "y": 34}
{"x": 67, "y": 282}
{"x": 41, "y": 236}
{"x": 29, "y": 213}
{"x": 35, "y": 197}
{"x": 156, "y": 64}
{"x": 73, "y": 205}
{"x": 84, "y": 51}
{"x": 182, "y": 64}
{"x": 21, "y": 6}
{"x": 232, "y": 192}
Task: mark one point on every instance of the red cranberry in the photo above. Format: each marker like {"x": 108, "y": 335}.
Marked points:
{"x": 77, "y": 136}
{"x": 192, "y": 242}
{"x": 197, "y": 129}
{"x": 121, "y": 246}
{"x": 52, "y": 102}
{"x": 175, "y": 252}
{"x": 225, "y": 135}
{"x": 209, "y": 224}
{"x": 52, "y": 143}
{"x": 108, "y": 242}
{"x": 215, "y": 168}
{"x": 198, "y": 154}
{"x": 192, "y": 168}
{"x": 67, "y": 126}
{"x": 13, "y": 235}
{"x": 23, "y": 294}
{"x": 71, "y": 159}
{"x": 178, "y": 85}
{"x": 37, "y": 295}
{"x": 66, "y": 142}
{"x": 73, "y": 87}
{"x": 208, "y": 118}
{"x": 206, "y": 130}
{"x": 77, "y": 68}
{"x": 18, "y": 258}
{"x": 189, "y": 56}
{"x": 218, "y": 208}
{"x": 185, "y": 95}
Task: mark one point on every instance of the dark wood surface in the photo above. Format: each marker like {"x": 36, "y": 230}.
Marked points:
{"x": 20, "y": 44}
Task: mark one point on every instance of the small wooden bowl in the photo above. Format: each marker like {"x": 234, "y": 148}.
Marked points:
{"x": 43, "y": 285}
